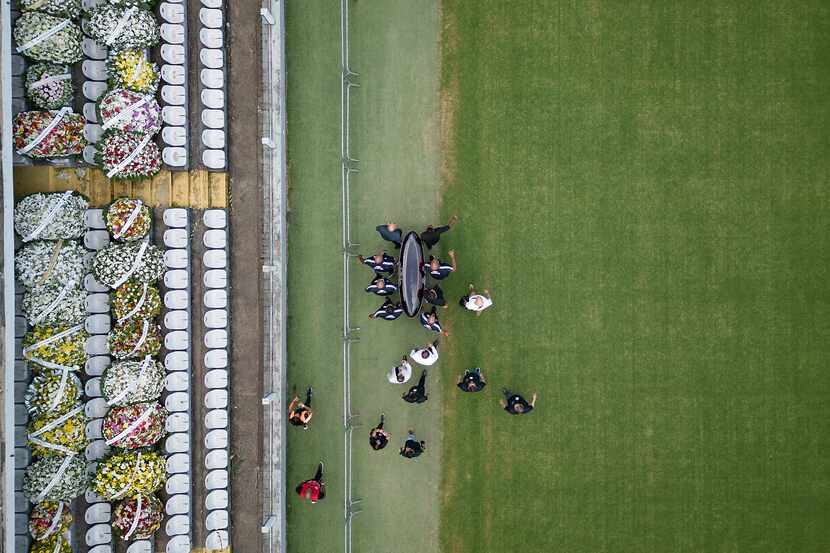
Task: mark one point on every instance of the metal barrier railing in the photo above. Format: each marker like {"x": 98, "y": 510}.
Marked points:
{"x": 348, "y": 166}
{"x": 272, "y": 121}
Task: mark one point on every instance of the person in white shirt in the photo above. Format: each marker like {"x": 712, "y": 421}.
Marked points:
{"x": 476, "y": 302}
{"x": 427, "y": 355}
{"x": 400, "y": 374}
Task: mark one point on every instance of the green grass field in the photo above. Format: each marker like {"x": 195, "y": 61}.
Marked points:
{"x": 644, "y": 188}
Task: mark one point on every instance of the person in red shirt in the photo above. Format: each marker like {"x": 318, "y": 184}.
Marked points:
{"x": 315, "y": 489}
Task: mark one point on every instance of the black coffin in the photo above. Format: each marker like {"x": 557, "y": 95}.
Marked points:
{"x": 411, "y": 275}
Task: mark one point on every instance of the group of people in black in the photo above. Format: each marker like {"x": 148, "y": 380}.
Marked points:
{"x": 385, "y": 267}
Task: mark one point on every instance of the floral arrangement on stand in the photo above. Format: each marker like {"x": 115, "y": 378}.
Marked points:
{"x": 127, "y": 474}
{"x": 54, "y": 544}
{"x": 49, "y": 518}
{"x": 123, "y": 28}
{"x": 128, "y": 220}
{"x": 135, "y": 426}
{"x": 53, "y": 304}
{"x": 49, "y": 86}
{"x": 56, "y": 347}
{"x": 49, "y": 134}
{"x": 128, "y": 155}
{"x": 135, "y": 338}
{"x": 55, "y": 478}
{"x": 132, "y": 70}
{"x": 55, "y": 216}
{"x": 59, "y": 262}
{"x": 128, "y": 382}
{"x": 52, "y": 393}
{"x": 44, "y": 37}
{"x": 135, "y": 300}
{"x": 137, "y": 518}
{"x": 128, "y": 111}
{"x": 58, "y": 435}
{"x": 62, "y": 8}
{"x": 117, "y": 263}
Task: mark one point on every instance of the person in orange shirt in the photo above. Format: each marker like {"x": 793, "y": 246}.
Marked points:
{"x": 299, "y": 413}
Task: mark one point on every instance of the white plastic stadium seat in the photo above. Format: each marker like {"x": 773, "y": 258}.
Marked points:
{"x": 177, "y": 361}
{"x": 216, "y": 318}
{"x": 177, "y": 402}
{"x": 216, "y": 399}
{"x": 217, "y": 520}
{"x": 98, "y": 513}
{"x": 178, "y": 544}
{"x": 92, "y": 497}
{"x": 216, "y": 338}
{"x": 94, "y": 218}
{"x": 141, "y": 546}
{"x": 89, "y": 154}
{"x": 177, "y": 422}
{"x": 218, "y": 418}
{"x": 176, "y": 320}
{"x": 212, "y": 58}
{"x": 173, "y": 94}
{"x": 92, "y": 285}
{"x": 97, "y": 324}
{"x": 216, "y": 439}
{"x": 211, "y": 18}
{"x": 178, "y": 504}
{"x": 216, "y": 379}
{"x": 212, "y": 78}
{"x": 96, "y": 408}
{"x": 213, "y": 118}
{"x": 172, "y": 53}
{"x": 174, "y": 115}
{"x": 218, "y": 539}
{"x": 93, "y": 429}
{"x": 97, "y": 364}
{"x": 174, "y": 136}
{"x": 213, "y": 98}
{"x": 175, "y": 237}
{"x": 177, "y": 483}
{"x": 174, "y": 156}
{"x": 92, "y": 132}
{"x": 92, "y": 388}
{"x": 99, "y": 534}
{"x": 98, "y": 303}
{"x": 103, "y": 548}
{"x": 215, "y": 218}
{"x": 178, "y": 381}
{"x": 216, "y": 299}
{"x": 176, "y": 299}
{"x": 176, "y": 279}
{"x": 178, "y": 463}
{"x": 177, "y": 443}
{"x": 172, "y": 74}
{"x": 211, "y": 38}
{"x": 176, "y": 258}
{"x": 215, "y": 259}
{"x": 96, "y": 239}
{"x": 213, "y": 138}
{"x": 95, "y": 70}
{"x": 90, "y": 112}
{"x": 97, "y": 345}
{"x": 93, "y": 50}
{"x": 172, "y": 13}
{"x": 216, "y": 359}
{"x": 214, "y": 159}
{"x": 216, "y": 459}
{"x": 172, "y": 33}
{"x": 93, "y": 89}
{"x": 217, "y": 499}
{"x": 212, "y": 3}
{"x": 177, "y": 525}
{"x": 176, "y": 340}
{"x": 88, "y": 5}
{"x": 216, "y": 278}
{"x": 217, "y": 480}
{"x": 97, "y": 449}
{"x": 175, "y": 217}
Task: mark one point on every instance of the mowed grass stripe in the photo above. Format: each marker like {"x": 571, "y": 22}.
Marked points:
{"x": 643, "y": 188}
